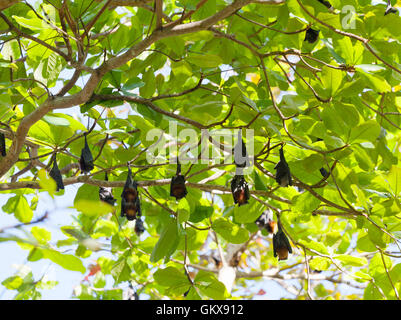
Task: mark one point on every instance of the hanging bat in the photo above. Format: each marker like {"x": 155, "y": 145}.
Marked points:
{"x": 217, "y": 262}
{"x": 86, "y": 160}
{"x": 281, "y": 245}
{"x": 267, "y": 222}
{"x": 324, "y": 172}
{"x": 283, "y": 174}
{"x": 56, "y": 175}
{"x": 240, "y": 190}
{"x": 2, "y": 145}
{"x": 130, "y": 204}
{"x": 139, "y": 228}
{"x": 311, "y": 35}
{"x": 326, "y": 4}
{"x": 105, "y": 194}
{"x": 177, "y": 185}
{"x": 241, "y": 159}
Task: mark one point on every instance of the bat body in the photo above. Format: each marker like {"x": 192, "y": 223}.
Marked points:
{"x": 56, "y": 175}
{"x": 267, "y": 222}
{"x": 241, "y": 159}
{"x": 3, "y": 152}
{"x": 281, "y": 245}
{"x": 311, "y": 35}
{"x": 139, "y": 228}
{"x": 177, "y": 187}
{"x": 324, "y": 172}
{"x": 283, "y": 174}
{"x": 86, "y": 160}
{"x": 326, "y": 3}
{"x": 130, "y": 204}
{"x": 240, "y": 190}
{"x": 106, "y": 195}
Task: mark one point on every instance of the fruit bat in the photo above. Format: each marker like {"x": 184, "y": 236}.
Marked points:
{"x": 56, "y": 175}
{"x": 86, "y": 160}
{"x": 240, "y": 190}
{"x": 281, "y": 245}
{"x": 2, "y": 145}
{"x": 217, "y": 262}
{"x": 139, "y": 228}
{"x": 105, "y": 194}
{"x": 177, "y": 185}
{"x": 324, "y": 172}
{"x": 267, "y": 222}
{"x": 130, "y": 205}
{"x": 283, "y": 174}
{"x": 240, "y": 155}
{"x": 326, "y": 3}
{"x": 311, "y": 35}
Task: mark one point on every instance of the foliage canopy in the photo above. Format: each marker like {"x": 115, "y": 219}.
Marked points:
{"x": 112, "y": 71}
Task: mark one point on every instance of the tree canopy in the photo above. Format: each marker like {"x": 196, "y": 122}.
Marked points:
{"x": 99, "y": 98}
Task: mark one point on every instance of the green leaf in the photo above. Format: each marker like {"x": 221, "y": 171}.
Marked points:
{"x": 205, "y": 60}
{"x": 20, "y": 207}
{"x": 306, "y": 203}
{"x": 46, "y": 182}
{"x": 121, "y": 270}
{"x": 210, "y": 286}
{"x": 168, "y": 242}
{"x": 93, "y": 208}
{"x": 170, "y": 277}
{"x": 367, "y": 131}
{"x": 67, "y": 261}
{"x": 230, "y": 231}
{"x": 42, "y": 235}
{"x": 319, "y": 263}
{"x": 183, "y": 210}
{"x": 348, "y": 260}
{"x": 248, "y": 213}
{"x": 331, "y": 79}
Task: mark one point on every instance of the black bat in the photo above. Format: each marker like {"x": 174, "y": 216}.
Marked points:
{"x": 240, "y": 190}
{"x": 326, "y": 3}
{"x": 240, "y": 155}
{"x": 2, "y": 145}
{"x": 283, "y": 174}
{"x": 177, "y": 185}
{"x": 324, "y": 172}
{"x": 311, "y": 35}
{"x": 281, "y": 245}
{"x": 106, "y": 194}
{"x": 139, "y": 228}
{"x": 56, "y": 175}
{"x": 130, "y": 204}
{"x": 266, "y": 221}
{"x": 86, "y": 160}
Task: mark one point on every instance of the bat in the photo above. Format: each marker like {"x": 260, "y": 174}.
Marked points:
{"x": 130, "y": 204}
{"x": 105, "y": 194}
{"x": 267, "y": 222}
{"x": 240, "y": 190}
{"x": 86, "y": 160}
{"x": 241, "y": 159}
{"x": 311, "y": 35}
{"x": 139, "y": 228}
{"x": 177, "y": 185}
{"x": 56, "y": 174}
{"x": 283, "y": 174}
{"x": 281, "y": 245}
